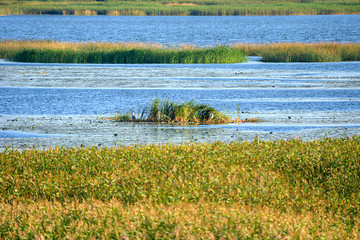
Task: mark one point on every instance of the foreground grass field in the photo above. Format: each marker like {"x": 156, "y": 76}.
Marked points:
{"x": 286, "y": 189}
{"x": 187, "y": 7}
{"x": 62, "y": 52}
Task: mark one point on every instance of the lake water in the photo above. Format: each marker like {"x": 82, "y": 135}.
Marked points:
{"x": 207, "y": 30}
{"x": 67, "y": 104}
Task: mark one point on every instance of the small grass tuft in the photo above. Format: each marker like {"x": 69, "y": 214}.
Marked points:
{"x": 173, "y": 112}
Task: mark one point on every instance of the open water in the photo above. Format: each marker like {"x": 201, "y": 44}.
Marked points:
{"x": 203, "y": 31}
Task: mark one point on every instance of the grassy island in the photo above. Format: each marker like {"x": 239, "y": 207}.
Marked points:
{"x": 180, "y": 8}
{"x": 285, "y": 189}
{"x": 172, "y": 112}
{"x": 64, "y": 52}
{"x": 60, "y": 52}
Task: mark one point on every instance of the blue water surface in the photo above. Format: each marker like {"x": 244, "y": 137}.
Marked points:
{"x": 63, "y": 101}
{"x": 173, "y": 30}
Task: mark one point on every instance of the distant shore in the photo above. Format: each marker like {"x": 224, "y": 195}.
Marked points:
{"x": 180, "y": 8}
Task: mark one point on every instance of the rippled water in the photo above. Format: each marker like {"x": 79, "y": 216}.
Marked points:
{"x": 207, "y": 30}
{"x": 65, "y": 104}
{"x": 59, "y": 101}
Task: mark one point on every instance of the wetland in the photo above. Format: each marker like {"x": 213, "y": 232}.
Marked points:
{"x": 67, "y": 171}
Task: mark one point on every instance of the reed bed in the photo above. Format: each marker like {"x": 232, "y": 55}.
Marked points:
{"x": 193, "y": 7}
{"x": 303, "y": 52}
{"x": 50, "y": 51}
{"x": 172, "y": 112}
{"x": 56, "y": 52}
{"x": 285, "y": 189}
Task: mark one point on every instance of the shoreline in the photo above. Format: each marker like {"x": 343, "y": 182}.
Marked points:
{"x": 180, "y": 15}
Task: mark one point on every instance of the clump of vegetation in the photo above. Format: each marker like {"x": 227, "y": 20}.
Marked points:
{"x": 303, "y": 52}
{"x": 168, "y": 111}
{"x": 286, "y": 189}
{"x": 57, "y": 52}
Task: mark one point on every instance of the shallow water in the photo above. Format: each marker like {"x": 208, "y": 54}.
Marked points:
{"x": 67, "y": 104}
{"x": 64, "y": 101}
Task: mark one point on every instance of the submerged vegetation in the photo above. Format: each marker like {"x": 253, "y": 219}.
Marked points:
{"x": 57, "y": 52}
{"x": 187, "y": 7}
{"x": 285, "y": 189}
{"x": 62, "y": 52}
{"x": 173, "y": 112}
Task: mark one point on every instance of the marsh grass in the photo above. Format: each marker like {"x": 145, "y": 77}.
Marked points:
{"x": 303, "y": 52}
{"x": 57, "y": 52}
{"x": 286, "y": 189}
{"x": 193, "y": 7}
{"x": 49, "y": 51}
{"x": 173, "y": 112}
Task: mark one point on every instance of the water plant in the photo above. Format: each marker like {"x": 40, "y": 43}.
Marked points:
{"x": 57, "y": 52}
{"x": 50, "y": 51}
{"x": 303, "y": 52}
{"x": 173, "y": 112}
{"x": 285, "y": 189}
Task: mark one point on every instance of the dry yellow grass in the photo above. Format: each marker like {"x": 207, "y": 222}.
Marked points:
{"x": 202, "y": 220}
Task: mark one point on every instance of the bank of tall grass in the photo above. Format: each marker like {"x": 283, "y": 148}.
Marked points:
{"x": 56, "y": 52}
{"x": 303, "y": 52}
{"x": 285, "y": 189}
{"x": 61, "y": 52}
{"x": 188, "y": 7}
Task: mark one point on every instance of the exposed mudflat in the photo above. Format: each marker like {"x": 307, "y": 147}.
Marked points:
{"x": 326, "y": 102}
{"x": 253, "y": 74}
{"x": 68, "y": 131}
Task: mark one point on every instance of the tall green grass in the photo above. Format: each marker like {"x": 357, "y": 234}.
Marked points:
{"x": 189, "y": 7}
{"x": 56, "y": 52}
{"x": 303, "y": 52}
{"x": 173, "y": 112}
{"x": 286, "y": 189}
{"x": 49, "y": 51}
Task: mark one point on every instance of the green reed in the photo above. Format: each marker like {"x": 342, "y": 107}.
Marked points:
{"x": 173, "y": 112}
{"x": 303, "y": 52}
{"x": 193, "y": 7}
{"x": 259, "y": 189}
{"x": 49, "y": 51}
{"x": 56, "y": 52}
